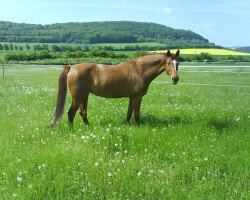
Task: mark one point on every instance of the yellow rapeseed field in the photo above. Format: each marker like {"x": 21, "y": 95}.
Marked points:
{"x": 210, "y": 51}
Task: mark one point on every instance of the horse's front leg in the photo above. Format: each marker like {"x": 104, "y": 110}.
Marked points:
{"x": 136, "y": 106}
{"x": 130, "y": 110}
{"x": 83, "y": 109}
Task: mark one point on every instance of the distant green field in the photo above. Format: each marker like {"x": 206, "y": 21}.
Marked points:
{"x": 193, "y": 141}
{"x": 2, "y": 55}
{"x": 117, "y": 45}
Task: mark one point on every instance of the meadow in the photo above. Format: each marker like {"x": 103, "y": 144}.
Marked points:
{"x": 193, "y": 141}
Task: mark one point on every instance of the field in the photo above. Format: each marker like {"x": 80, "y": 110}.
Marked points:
{"x": 122, "y": 45}
{"x": 210, "y": 51}
{"x": 193, "y": 141}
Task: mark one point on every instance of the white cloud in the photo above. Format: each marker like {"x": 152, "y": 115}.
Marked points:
{"x": 167, "y": 10}
{"x": 207, "y": 25}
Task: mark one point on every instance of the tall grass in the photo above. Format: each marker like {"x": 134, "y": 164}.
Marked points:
{"x": 193, "y": 141}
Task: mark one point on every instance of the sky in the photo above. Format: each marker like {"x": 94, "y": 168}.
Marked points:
{"x": 222, "y": 22}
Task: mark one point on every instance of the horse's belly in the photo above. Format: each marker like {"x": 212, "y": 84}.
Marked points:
{"x": 116, "y": 85}
{"x": 112, "y": 91}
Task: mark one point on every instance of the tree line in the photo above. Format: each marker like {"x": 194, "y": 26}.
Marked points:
{"x": 64, "y": 48}
{"x": 71, "y": 56}
{"x": 99, "y": 55}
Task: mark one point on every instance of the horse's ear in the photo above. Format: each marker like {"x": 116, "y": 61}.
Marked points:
{"x": 168, "y": 53}
{"x": 177, "y": 53}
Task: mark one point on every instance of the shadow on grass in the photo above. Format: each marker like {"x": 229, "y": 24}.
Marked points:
{"x": 172, "y": 120}
{"x": 221, "y": 124}
{"x": 149, "y": 120}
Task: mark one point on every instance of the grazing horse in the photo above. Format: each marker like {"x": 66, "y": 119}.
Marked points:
{"x": 128, "y": 79}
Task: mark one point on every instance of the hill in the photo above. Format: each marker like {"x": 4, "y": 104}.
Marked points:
{"x": 101, "y": 32}
{"x": 244, "y": 49}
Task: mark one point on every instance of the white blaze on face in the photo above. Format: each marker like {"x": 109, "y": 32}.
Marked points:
{"x": 174, "y": 61}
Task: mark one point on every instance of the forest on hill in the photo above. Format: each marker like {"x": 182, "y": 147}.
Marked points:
{"x": 244, "y": 49}
{"x": 101, "y": 32}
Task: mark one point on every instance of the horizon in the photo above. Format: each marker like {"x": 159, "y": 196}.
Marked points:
{"x": 223, "y": 23}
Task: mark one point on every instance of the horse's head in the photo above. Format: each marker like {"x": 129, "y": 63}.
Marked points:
{"x": 171, "y": 67}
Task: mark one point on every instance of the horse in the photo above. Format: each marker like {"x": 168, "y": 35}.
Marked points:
{"x": 128, "y": 79}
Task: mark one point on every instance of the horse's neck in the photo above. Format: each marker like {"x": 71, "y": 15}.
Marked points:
{"x": 151, "y": 67}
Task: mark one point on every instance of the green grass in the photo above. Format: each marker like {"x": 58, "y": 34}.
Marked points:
{"x": 193, "y": 141}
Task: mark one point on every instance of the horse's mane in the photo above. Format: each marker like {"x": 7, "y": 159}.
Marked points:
{"x": 152, "y": 59}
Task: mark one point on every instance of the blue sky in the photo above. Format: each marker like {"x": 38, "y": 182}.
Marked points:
{"x": 222, "y": 22}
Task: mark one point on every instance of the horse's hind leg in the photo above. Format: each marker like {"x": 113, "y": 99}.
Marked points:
{"x": 83, "y": 109}
{"x": 137, "y": 106}
{"x": 130, "y": 110}
{"x": 72, "y": 111}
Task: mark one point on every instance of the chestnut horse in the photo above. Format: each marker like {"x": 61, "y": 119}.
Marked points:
{"x": 128, "y": 79}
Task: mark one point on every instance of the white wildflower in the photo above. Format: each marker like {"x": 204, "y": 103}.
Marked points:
{"x": 109, "y": 174}
{"x": 14, "y": 194}
{"x": 83, "y": 137}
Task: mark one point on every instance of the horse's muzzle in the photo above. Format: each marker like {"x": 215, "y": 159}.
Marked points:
{"x": 175, "y": 80}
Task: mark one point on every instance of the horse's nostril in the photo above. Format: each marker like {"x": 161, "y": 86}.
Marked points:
{"x": 175, "y": 79}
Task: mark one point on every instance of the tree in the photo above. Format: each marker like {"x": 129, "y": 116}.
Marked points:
{"x": 37, "y": 47}
{"x": 56, "y": 48}
{"x": 45, "y": 47}
{"x": 85, "y": 48}
{"x": 11, "y": 47}
{"x": 1, "y": 47}
{"x": 78, "y": 48}
{"x": 27, "y": 46}
{"x": 44, "y": 55}
{"x": 6, "y": 47}
{"x": 67, "y": 48}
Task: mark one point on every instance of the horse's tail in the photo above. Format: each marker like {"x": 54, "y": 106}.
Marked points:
{"x": 61, "y": 95}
